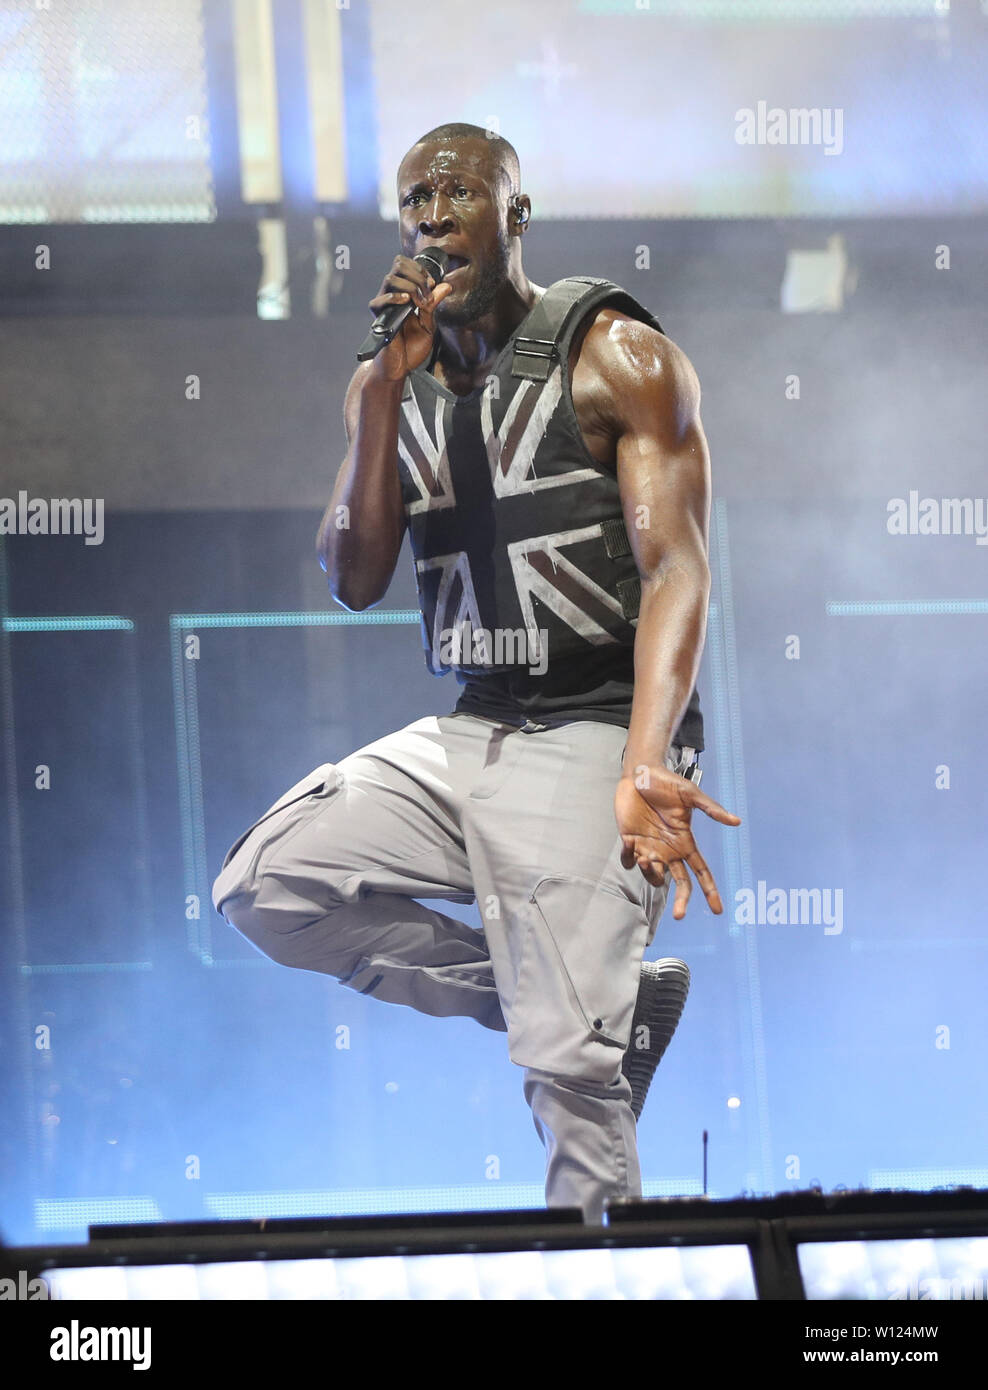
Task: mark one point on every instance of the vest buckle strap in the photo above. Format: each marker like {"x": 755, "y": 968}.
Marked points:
{"x": 615, "y": 536}
{"x": 629, "y": 592}
{"x": 538, "y": 354}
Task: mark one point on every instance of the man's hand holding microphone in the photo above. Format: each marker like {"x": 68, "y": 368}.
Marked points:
{"x": 400, "y": 338}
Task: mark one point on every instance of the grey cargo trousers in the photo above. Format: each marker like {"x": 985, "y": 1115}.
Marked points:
{"x": 459, "y": 808}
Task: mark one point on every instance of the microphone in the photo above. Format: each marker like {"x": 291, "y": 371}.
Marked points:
{"x": 434, "y": 260}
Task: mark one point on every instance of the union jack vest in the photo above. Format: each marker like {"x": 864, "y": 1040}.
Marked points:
{"x": 517, "y": 533}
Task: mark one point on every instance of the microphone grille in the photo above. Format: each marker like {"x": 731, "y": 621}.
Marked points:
{"x": 436, "y": 260}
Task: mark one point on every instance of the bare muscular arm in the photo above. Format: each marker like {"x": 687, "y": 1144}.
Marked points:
{"x": 649, "y": 397}
{"x": 361, "y": 531}
{"x": 360, "y": 535}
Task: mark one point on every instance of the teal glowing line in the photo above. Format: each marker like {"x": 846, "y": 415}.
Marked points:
{"x": 907, "y": 608}
{"x": 386, "y": 617}
{"x": 185, "y": 697}
{"x": 68, "y": 625}
{"x": 97, "y": 623}
{"x": 88, "y": 968}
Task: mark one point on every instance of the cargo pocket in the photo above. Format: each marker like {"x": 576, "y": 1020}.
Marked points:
{"x": 240, "y": 864}
{"x": 577, "y": 979}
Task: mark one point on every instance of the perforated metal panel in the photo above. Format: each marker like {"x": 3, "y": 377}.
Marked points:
{"x": 103, "y": 113}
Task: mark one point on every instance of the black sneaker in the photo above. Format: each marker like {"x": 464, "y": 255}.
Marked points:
{"x": 662, "y": 993}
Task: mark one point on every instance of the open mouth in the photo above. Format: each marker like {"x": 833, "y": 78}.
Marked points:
{"x": 454, "y": 264}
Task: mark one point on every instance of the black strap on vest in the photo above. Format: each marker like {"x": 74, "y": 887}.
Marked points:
{"x": 545, "y": 327}
{"x": 537, "y": 352}
{"x": 629, "y": 592}
{"x": 615, "y": 538}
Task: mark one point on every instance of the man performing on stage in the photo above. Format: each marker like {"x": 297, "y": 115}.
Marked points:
{"x": 545, "y": 451}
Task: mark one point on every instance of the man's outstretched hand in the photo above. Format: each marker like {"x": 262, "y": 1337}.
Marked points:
{"x": 654, "y": 823}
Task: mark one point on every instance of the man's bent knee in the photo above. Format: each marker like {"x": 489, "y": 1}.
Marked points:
{"x": 270, "y": 902}
{"x": 273, "y": 931}
{"x": 266, "y": 900}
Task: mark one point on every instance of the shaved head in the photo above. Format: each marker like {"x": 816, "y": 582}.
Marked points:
{"x": 503, "y": 157}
